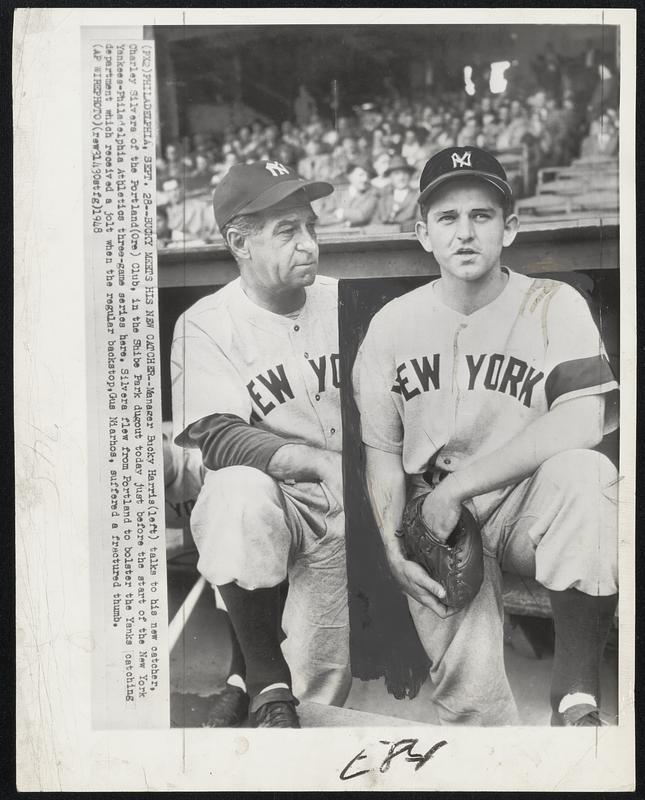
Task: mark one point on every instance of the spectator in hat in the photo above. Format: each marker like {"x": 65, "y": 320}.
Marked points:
{"x": 352, "y": 205}
{"x": 398, "y": 203}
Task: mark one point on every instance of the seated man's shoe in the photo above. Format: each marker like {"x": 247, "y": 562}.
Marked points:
{"x": 230, "y": 708}
{"x": 583, "y": 715}
{"x": 274, "y": 709}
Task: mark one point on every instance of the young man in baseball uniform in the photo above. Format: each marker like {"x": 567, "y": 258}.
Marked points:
{"x": 492, "y": 388}
{"x": 256, "y": 388}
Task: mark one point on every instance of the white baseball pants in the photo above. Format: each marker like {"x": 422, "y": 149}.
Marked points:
{"x": 559, "y": 526}
{"x": 254, "y": 531}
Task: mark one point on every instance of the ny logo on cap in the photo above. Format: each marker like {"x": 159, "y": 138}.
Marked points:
{"x": 276, "y": 168}
{"x": 461, "y": 161}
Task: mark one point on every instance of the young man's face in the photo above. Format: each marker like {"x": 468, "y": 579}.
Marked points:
{"x": 465, "y": 229}
{"x": 283, "y": 254}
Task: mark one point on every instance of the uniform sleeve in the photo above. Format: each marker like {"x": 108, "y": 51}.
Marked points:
{"x": 204, "y": 381}
{"x": 227, "y": 441}
{"x": 373, "y": 377}
{"x": 576, "y": 361}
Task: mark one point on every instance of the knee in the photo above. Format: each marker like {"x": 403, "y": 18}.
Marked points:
{"x": 581, "y": 472}
{"x": 234, "y": 491}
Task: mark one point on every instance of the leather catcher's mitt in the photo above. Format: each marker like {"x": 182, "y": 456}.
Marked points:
{"x": 457, "y": 564}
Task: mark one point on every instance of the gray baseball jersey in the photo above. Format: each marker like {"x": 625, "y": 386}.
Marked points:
{"x": 279, "y": 373}
{"x": 437, "y": 386}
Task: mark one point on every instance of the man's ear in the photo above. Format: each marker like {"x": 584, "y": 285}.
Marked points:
{"x": 511, "y": 225}
{"x": 237, "y": 243}
{"x": 421, "y": 231}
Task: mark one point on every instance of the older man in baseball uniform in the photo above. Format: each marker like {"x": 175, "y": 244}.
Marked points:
{"x": 490, "y": 388}
{"x": 255, "y": 372}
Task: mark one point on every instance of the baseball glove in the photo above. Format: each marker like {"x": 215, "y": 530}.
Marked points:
{"x": 457, "y": 564}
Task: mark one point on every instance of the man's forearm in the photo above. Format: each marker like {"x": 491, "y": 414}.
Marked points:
{"x": 386, "y": 488}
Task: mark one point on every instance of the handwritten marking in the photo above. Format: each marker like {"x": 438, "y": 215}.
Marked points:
{"x": 403, "y": 746}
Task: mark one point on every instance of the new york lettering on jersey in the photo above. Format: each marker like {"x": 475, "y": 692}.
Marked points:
{"x": 275, "y": 386}
{"x": 493, "y": 372}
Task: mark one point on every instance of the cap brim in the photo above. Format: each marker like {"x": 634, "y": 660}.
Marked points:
{"x": 313, "y": 190}
{"x": 497, "y": 182}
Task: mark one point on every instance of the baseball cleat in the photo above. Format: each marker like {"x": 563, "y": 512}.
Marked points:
{"x": 230, "y": 708}
{"x": 279, "y": 714}
{"x": 275, "y": 708}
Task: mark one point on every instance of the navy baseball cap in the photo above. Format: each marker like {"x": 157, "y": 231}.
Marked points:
{"x": 455, "y": 162}
{"x": 248, "y": 188}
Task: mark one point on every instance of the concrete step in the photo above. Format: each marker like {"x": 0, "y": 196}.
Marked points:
{"x": 314, "y": 715}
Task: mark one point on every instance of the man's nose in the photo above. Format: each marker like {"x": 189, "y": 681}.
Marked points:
{"x": 307, "y": 241}
{"x": 464, "y": 228}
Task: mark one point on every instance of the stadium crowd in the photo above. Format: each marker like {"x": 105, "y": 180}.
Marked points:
{"x": 374, "y": 156}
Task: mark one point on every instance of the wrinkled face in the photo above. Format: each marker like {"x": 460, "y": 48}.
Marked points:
{"x": 465, "y": 228}
{"x": 358, "y": 178}
{"x": 283, "y": 254}
{"x": 399, "y": 178}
